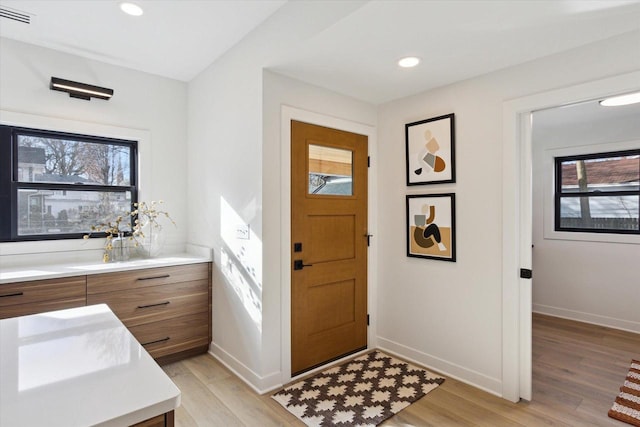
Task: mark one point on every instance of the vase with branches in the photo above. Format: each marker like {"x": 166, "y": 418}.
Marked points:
{"x": 116, "y": 247}
{"x": 147, "y": 226}
{"x": 140, "y": 228}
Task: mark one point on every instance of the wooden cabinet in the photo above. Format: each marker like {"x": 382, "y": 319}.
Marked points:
{"x": 23, "y": 298}
{"x": 167, "y": 309}
{"x": 174, "y": 335}
{"x": 164, "y": 420}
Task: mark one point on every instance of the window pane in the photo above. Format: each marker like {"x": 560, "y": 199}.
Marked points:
{"x": 603, "y": 174}
{"x": 49, "y": 159}
{"x": 613, "y": 212}
{"x": 330, "y": 171}
{"x": 58, "y": 211}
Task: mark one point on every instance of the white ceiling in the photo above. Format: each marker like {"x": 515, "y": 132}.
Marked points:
{"x": 176, "y": 39}
{"x": 456, "y": 40}
{"x": 356, "y": 55}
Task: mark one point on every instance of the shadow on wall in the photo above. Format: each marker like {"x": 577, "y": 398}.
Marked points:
{"x": 241, "y": 261}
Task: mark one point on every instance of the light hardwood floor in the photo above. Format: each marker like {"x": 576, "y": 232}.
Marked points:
{"x": 577, "y": 370}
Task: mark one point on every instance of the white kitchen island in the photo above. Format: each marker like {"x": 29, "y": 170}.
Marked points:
{"x": 79, "y": 367}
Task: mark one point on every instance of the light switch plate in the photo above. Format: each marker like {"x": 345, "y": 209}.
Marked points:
{"x": 242, "y": 232}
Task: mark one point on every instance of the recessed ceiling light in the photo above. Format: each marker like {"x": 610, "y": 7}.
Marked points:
{"x": 131, "y": 9}
{"x": 631, "y": 98}
{"x": 409, "y": 61}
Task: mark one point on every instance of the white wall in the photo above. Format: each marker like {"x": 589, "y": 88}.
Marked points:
{"x": 225, "y": 191}
{"x": 142, "y": 104}
{"x": 231, "y": 183}
{"x": 583, "y": 280}
{"x": 230, "y": 162}
{"x": 449, "y": 315}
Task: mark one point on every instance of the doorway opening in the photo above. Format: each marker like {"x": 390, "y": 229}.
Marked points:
{"x": 585, "y": 182}
{"x": 517, "y": 220}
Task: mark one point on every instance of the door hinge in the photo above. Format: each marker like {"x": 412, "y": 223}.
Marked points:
{"x": 525, "y": 273}
{"x": 368, "y": 161}
{"x": 367, "y": 320}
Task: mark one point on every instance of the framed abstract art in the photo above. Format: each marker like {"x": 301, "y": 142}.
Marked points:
{"x": 431, "y": 226}
{"x": 430, "y": 151}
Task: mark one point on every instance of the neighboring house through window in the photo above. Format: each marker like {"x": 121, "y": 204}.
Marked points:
{"x": 56, "y": 185}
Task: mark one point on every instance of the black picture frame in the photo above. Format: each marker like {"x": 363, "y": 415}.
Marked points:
{"x": 431, "y": 226}
{"x": 430, "y": 151}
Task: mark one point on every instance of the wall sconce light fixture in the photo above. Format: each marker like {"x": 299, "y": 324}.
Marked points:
{"x": 80, "y": 90}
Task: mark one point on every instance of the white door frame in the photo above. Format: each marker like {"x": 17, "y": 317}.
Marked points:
{"x": 517, "y": 221}
{"x": 291, "y": 113}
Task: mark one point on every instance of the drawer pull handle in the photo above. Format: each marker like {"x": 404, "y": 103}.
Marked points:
{"x": 157, "y": 341}
{"x": 164, "y": 276}
{"x": 16, "y": 294}
{"x": 154, "y": 305}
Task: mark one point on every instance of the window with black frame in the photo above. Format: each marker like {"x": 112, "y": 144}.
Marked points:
{"x": 598, "y": 193}
{"x": 56, "y": 185}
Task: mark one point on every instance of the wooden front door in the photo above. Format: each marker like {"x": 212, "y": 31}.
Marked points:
{"x": 329, "y": 244}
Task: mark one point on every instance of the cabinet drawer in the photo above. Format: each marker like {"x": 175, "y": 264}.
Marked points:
{"x": 143, "y": 305}
{"x": 22, "y": 298}
{"x": 134, "y": 279}
{"x": 40, "y": 307}
{"x": 173, "y": 335}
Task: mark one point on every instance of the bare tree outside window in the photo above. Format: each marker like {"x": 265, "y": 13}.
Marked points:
{"x": 585, "y": 210}
{"x": 106, "y": 164}
{"x": 75, "y": 161}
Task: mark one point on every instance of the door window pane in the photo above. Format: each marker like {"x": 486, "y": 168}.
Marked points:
{"x": 330, "y": 171}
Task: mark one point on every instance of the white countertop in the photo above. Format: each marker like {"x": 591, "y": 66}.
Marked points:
{"x": 78, "y": 367}
{"x": 52, "y": 271}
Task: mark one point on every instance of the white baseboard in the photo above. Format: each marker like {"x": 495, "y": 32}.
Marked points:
{"x": 595, "y": 319}
{"x": 259, "y": 384}
{"x": 265, "y": 384}
{"x": 468, "y": 376}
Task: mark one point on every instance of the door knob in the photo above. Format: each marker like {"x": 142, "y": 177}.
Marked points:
{"x": 298, "y": 265}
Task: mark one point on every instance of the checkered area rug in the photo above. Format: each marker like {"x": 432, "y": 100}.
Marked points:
{"x": 627, "y": 405}
{"x": 362, "y": 392}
